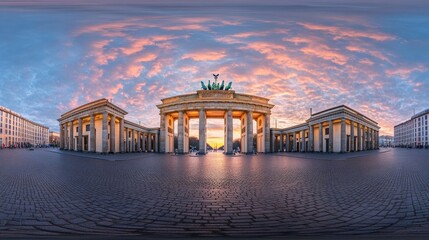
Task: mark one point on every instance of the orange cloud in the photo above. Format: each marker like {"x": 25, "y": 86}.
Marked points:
{"x": 205, "y": 55}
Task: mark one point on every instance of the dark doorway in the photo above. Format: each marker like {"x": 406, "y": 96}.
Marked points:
{"x": 348, "y": 143}
{"x": 85, "y": 143}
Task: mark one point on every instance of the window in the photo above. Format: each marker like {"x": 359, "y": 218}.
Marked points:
{"x": 326, "y": 131}
{"x": 87, "y": 127}
{"x": 77, "y": 129}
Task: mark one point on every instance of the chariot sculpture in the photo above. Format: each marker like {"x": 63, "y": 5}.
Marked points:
{"x": 215, "y": 85}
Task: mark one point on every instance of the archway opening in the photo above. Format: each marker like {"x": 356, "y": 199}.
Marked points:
{"x": 215, "y": 134}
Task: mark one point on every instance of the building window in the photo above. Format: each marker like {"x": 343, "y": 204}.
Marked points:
{"x": 326, "y": 131}
{"x": 87, "y": 127}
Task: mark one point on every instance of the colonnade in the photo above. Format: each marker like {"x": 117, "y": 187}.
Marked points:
{"x": 335, "y": 135}
{"x": 106, "y": 133}
{"x": 246, "y": 117}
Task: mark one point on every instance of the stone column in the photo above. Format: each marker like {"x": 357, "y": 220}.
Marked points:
{"x": 156, "y": 142}
{"x": 149, "y": 142}
{"x": 61, "y": 136}
{"x": 267, "y": 132}
{"x": 79, "y": 135}
{"x": 343, "y": 139}
{"x": 65, "y": 136}
{"x": 121, "y": 136}
{"x": 133, "y": 141}
{"x": 229, "y": 131}
{"x": 202, "y": 132}
{"x": 126, "y": 147}
{"x": 104, "y": 141}
{"x": 364, "y": 138}
{"x": 144, "y": 142}
{"x": 320, "y": 137}
{"x": 162, "y": 135}
{"x": 370, "y": 138}
{"x": 71, "y": 140}
{"x": 138, "y": 141}
{"x": 310, "y": 139}
{"x": 331, "y": 136}
{"x": 112, "y": 134}
{"x": 281, "y": 142}
{"x": 92, "y": 133}
{"x": 249, "y": 129}
{"x": 359, "y": 138}
{"x": 352, "y": 136}
{"x": 368, "y": 146}
{"x": 302, "y": 141}
{"x": 287, "y": 143}
{"x": 180, "y": 133}
{"x": 294, "y": 142}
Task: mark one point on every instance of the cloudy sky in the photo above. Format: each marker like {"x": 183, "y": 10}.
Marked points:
{"x": 300, "y": 54}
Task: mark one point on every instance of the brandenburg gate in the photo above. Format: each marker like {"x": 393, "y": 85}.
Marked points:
{"x": 215, "y": 102}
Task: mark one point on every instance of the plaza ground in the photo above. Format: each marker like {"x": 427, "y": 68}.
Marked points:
{"x": 51, "y": 193}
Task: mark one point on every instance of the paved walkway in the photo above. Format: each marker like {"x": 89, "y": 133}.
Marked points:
{"x": 334, "y": 156}
{"x": 45, "y": 193}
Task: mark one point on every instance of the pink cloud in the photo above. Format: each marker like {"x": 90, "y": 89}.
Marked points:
{"x": 342, "y": 32}
{"x": 205, "y": 55}
{"x": 405, "y": 72}
{"x": 134, "y": 71}
{"x": 186, "y": 27}
{"x": 325, "y": 52}
{"x": 366, "y": 50}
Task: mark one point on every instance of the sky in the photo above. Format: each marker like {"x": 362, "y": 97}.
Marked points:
{"x": 372, "y": 57}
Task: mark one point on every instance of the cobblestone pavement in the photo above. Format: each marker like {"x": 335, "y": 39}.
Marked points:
{"x": 51, "y": 193}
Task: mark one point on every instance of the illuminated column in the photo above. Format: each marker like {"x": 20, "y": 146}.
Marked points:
{"x": 71, "y": 140}
{"x": 156, "y": 142}
{"x": 112, "y": 134}
{"x": 104, "y": 137}
{"x": 331, "y": 136}
{"x": 144, "y": 142}
{"x": 92, "y": 133}
{"x": 138, "y": 142}
{"x": 352, "y": 136}
{"x": 149, "y": 142}
{"x": 359, "y": 138}
{"x": 61, "y": 136}
{"x": 267, "y": 132}
{"x": 310, "y": 139}
{"x": 294, "y": 142}
{"x": 133, "y": 141}
{"x": 229, "y": 131}
{"x": 121, "y": 136}
{"x": 181, "y": 133}
{"x": 202, "y": 132}
{"x": 162, "y": 135}
{"x": 287, "y": 143}
{"x": 320, "y": 137}
{"x": 79, "y": 135}
{"x": 343, "y": 138}
{"x": 365, "y": 139}
{"x": 302, "y": 141}
{"x": 126, "y": 147}
{"x": 249, "y": 129}
{"x": 281, "y": 142}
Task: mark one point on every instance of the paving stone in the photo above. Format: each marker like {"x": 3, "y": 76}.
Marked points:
{"x": 45, "y": 193}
